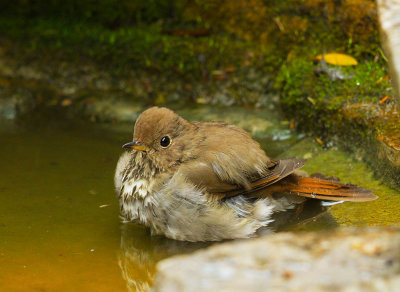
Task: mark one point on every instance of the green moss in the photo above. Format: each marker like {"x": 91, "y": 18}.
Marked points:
{"x": 334, "y": 162}
{"x": 109, "y": 13}
{"x": 129, "y": 47}
{"x": 383, "y": 211}
{"x": 241, "y": 69}
{"x": 309, "y": 95}
{"x": 253, "y": 40}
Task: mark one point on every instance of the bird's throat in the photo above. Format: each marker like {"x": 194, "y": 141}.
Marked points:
{"x": 138, "y": 177}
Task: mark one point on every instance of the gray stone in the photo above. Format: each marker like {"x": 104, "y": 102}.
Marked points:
{"x": 29, "y": 72}
{"x": 111, "y": 109}
{"x": 346, "y": 260}
{"x": 389, "y": 17}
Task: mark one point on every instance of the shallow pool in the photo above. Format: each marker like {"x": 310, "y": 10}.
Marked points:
{"x": 59, "y": 216}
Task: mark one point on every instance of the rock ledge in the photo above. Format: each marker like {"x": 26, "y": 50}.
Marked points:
{"x": 345, "y": 260}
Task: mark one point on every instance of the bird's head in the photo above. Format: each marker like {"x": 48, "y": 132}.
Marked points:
{"x": 162, "y": 136}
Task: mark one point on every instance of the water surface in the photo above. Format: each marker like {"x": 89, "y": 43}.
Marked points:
{"x": 59, "y": 217}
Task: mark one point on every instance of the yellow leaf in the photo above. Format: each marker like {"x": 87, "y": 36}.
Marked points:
{"x": 201, "y": 100}
{"x": 217, "y": 72}
{"x": 338, "y": 59}
{"x": 319, "y": 141}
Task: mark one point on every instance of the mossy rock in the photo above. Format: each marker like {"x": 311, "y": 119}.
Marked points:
{"x": 311, "y": 95}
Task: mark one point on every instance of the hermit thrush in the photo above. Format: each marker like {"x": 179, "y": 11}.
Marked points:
{"x": 203, "y": 181}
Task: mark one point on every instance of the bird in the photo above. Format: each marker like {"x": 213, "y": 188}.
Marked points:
{"x": 210, "y": 181}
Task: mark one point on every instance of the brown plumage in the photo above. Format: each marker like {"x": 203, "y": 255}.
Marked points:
{"x": 210, "y": 180}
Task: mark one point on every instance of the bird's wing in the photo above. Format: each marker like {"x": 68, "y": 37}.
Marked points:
{"x": 224, "y": 158}
{"x": 309, "y": 187}
{"x": 208, "y": 176}
{"x": 279, "y": 179}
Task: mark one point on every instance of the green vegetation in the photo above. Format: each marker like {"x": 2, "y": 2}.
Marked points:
{"x": 335, "y": 162}
{"x": 133, "y": 48}
{"x": 246, "y": 49}
{"x": 109, "y": 13}
{"x": 315, "y": 96}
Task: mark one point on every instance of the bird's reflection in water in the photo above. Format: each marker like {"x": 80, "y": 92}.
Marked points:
{"x": 141, "y": 251}
{"x": 311, "y": 215}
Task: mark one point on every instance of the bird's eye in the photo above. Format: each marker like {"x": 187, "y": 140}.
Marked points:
{"x": 165, "y": 141}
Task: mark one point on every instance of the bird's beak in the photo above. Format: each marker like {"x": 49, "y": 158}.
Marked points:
{"x": 137, "y": 145}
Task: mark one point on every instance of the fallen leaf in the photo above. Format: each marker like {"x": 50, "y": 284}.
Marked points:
{"x": 310, "y": 99}
{"x": 230, "y": 69}
{"x": 287, "y": 274}
{"x": 66, "y": 102}
{"x": 319, "y": 141}
{"x": 219, "y": 77}
{"x": 217, "y": 72}
{"x": 385, "y": 98}
{"x": 201, "y": 100}
{"x": 338, "y": 59}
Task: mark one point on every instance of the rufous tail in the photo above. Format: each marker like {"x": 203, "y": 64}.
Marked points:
{"x": 320, "y": 189}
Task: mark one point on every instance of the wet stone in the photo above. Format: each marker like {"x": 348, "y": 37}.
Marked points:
{"x": 390, "y": 33}
{"x": 345, "y": 260}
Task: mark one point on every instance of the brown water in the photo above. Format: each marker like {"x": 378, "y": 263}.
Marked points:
{"x": 54, "y": 233}
{"x": 59, "y": 224}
